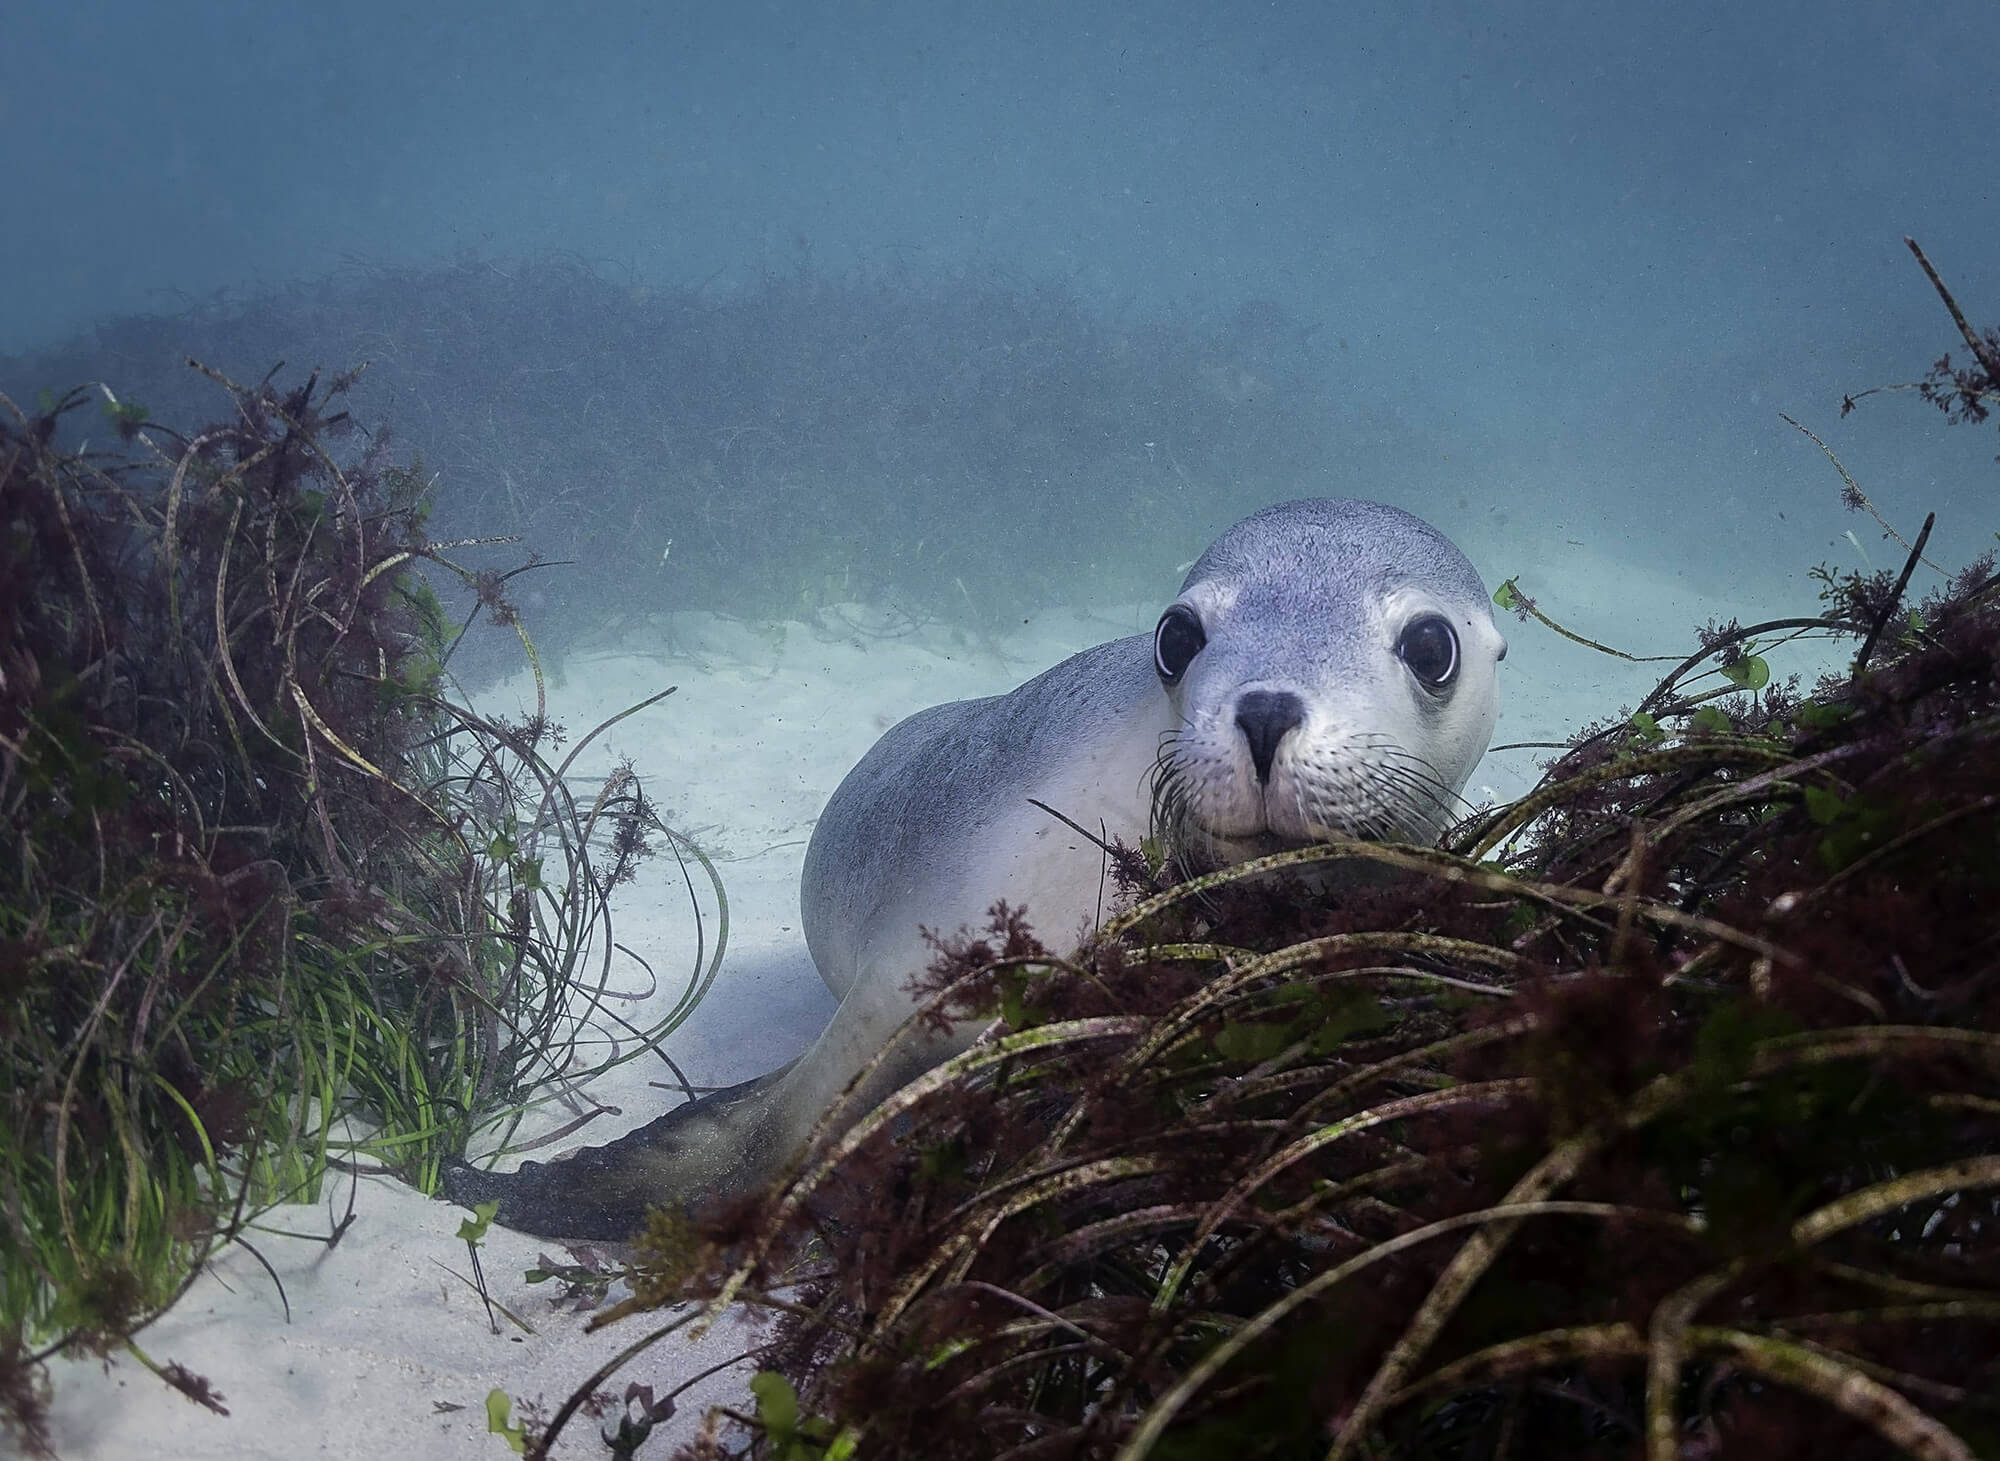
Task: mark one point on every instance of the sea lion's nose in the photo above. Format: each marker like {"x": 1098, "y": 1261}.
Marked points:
{"x": 1266, "y": 716}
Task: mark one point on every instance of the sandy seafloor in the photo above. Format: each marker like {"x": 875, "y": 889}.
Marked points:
{"x": 385, "y": 1353}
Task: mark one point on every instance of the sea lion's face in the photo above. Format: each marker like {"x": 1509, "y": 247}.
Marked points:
{"x": 1332, "y": 668}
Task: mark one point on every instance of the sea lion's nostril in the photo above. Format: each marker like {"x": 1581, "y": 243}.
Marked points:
{"x": 1266, "y": 716}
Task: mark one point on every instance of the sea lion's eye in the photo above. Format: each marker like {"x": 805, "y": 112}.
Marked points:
{"x": 1429, "y": 647}
{"x": 1176, "y": 641}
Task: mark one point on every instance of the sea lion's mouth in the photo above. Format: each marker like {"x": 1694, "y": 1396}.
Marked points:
{"x": 1211, "y": 806}
{"x": 1214, "y": 850}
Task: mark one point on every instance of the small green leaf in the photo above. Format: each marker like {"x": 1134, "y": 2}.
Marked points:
{"x": 1752, "y": 672}
{"x": 1709, "y": 719}
{"x": 1647, "y": 728}
{"x": 1251, "y": 1043}
{"x": 499, "y": 1408}
{"x": 473, "y": 1229}
{"x": 777, "y": 1403}
{"x": 1354, "y": 1013}
{"x": 1016, "y": 1008}
{"x": 1815, "y": 715}
{"x": 1854, "y": 825}
{"x": 1507, "y": 596}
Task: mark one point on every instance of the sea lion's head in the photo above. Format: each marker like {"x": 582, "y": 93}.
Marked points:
{"x": 1332, "y": 664}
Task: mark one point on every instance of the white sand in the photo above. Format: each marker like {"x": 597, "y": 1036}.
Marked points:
{"x": 382, "y": 1342}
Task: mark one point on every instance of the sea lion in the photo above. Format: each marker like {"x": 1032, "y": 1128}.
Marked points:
{"x": 1327, "y": 669}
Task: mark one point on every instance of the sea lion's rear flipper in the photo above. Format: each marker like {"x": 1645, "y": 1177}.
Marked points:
{"x": 604, "y": 1192}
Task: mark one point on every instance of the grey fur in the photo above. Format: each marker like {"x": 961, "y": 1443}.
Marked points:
{"x": 936, "y": 822}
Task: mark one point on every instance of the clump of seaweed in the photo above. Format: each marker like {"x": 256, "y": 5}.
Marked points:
{"x": 1966, "y": 393}
{"x": 1654, "y": 1114}
{"x": 271, "y": 902}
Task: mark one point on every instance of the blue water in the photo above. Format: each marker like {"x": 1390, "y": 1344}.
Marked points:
{"x": 1581, "y": 253}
